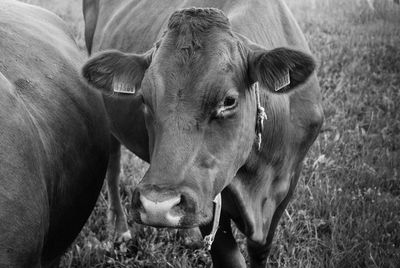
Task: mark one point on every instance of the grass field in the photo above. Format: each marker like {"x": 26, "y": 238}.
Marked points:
{"x": 346, "y": 209}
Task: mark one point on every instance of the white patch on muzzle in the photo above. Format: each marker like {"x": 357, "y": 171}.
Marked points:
{"x": 160, "y": 213}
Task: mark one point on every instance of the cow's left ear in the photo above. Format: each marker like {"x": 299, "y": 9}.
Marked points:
{"x": 281, "y": 69}
{"x": 114, "y": 71}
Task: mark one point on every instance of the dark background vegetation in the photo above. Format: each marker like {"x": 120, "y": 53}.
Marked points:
{"x": 346, "y": 209}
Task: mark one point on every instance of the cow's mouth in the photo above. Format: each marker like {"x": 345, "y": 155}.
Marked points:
{"x": 173, "y": 212}
{"x": 166, "y": 213}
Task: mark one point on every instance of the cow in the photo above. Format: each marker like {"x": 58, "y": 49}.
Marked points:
{"x": 54, "y": 141}
{"x": 200, "y": 75}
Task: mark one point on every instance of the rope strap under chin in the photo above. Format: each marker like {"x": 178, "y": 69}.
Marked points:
{"x": 209, "y": 239}
{"x": 261, "y": 116}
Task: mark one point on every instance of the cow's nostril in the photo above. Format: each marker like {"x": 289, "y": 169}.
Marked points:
{"x": 186, "y": 203}
{"x": 183, "y": 203}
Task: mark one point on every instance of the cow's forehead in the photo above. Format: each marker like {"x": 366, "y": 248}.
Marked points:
{"x": 217, "y": 56}
{"x": 203, "y": 77}
{"x": 191, "y": 88}
{"x": 197, "y": 58}
{"x": 196, "y": 34}
{"x": 190, "y": 23}
{"x": 214, "y": 45}
{"x": 196, "y": 85}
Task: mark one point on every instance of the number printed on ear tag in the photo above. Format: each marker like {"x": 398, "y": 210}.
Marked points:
{"x": 282, "y": 81}
{"x": 120, "y": 87}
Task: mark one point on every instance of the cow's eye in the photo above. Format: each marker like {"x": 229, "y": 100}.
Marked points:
{"x": 226, "y": 107}
{"x": 230, "y": 102}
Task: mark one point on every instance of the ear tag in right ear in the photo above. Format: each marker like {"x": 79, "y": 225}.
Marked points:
{"x": 283, "y": 81}
{"x": 121, "y": 87}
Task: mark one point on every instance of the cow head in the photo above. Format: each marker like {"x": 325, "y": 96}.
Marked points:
{"x": 200, "y": 109}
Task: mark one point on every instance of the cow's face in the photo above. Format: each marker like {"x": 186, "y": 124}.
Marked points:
{"x": 199, "y": 107}
{"x": 200, "y": 118}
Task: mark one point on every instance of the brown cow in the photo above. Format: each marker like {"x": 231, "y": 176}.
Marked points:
{"x": 194, "y": 113}
{"x": 53, "y": 138}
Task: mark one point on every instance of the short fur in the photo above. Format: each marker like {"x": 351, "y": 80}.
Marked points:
{"x": 53, "y": 138}
{"x": 191, "y": 23}
{"x": 257, "y": 185}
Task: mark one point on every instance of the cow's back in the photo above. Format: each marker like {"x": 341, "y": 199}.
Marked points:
{"x": 136, "y": 25}
{"x": 58, "y": 131}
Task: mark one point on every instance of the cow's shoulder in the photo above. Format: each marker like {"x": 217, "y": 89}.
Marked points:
{"x": 40, "y": 56}
{"x": 41, "y": 60}
{"x": 17, "y": 131}
{"x": 13, "y": 11}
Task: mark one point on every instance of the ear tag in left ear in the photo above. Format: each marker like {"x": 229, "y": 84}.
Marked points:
{"x": 121, "y": 87}
{"x": 282, "y": 81}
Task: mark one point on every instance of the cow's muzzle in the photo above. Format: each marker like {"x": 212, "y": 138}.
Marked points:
{"x": 160, "y": 207}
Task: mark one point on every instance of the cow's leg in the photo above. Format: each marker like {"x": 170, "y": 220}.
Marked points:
{"x": 258, "y": 252}
{"x": 13, "y": 259}
{"x": 116, "y": 216}
{"x": 225, "y": 251}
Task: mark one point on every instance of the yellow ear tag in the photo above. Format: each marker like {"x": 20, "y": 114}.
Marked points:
{"x": 282, "y": 81}
{"x": 121, "y": 87}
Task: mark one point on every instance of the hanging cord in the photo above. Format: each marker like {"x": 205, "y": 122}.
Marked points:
{"x": 261, "y": 116}
{"x": 209, "y": 239}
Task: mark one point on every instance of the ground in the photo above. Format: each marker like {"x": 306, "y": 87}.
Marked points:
{"x": 346, "y": 209}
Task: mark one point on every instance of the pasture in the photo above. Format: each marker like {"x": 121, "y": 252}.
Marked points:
{"x": 346, "y": 208}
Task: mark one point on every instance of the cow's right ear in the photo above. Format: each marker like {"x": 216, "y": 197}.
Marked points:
{"x": 113, "y": 70}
